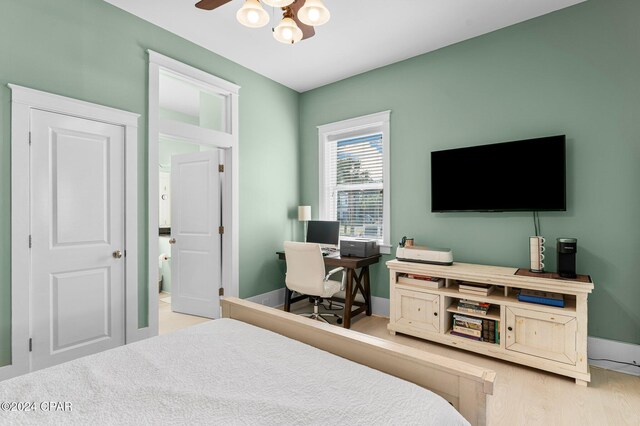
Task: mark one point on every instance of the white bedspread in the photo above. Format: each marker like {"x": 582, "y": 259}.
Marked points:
{"x": 223, "y": 372}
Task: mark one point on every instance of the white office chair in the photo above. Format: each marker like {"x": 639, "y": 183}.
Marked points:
{"x": 306, "y": 275}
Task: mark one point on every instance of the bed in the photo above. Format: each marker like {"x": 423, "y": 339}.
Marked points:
{"x": 243, "y": 370}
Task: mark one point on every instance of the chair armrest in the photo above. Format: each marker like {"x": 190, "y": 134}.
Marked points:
{"x": 333, "y": 271}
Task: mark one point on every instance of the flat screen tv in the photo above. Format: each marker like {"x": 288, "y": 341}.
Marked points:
{"x": 527, "y": 175}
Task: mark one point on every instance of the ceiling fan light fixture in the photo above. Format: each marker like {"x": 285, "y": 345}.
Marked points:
{"x": 278, "y": 3}
{"x": 314, "y": 13}
{"x": 287, "y": 31}
{"x": 252, "y": 15}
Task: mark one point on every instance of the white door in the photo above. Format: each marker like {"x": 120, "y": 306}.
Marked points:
{"x": 195, "y": 219}
{"x": 77, "y": 229}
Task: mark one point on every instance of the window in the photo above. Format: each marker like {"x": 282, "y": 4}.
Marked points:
{"x": 354, "y": 177}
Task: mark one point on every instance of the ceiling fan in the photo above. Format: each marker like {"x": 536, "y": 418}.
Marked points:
{"x": 299, "y": 17}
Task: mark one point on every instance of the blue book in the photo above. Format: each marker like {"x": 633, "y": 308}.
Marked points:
{"x": 541, "y": 298}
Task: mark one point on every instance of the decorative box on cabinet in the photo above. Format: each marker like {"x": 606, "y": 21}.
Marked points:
{"x": 540, "y": 336}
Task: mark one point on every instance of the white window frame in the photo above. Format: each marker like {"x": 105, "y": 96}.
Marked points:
{"x": 378, "y": 123}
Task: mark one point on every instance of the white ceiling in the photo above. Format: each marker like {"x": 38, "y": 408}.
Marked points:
{"x": 361, "y": 35}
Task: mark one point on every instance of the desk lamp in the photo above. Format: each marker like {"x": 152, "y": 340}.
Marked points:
{"x": 304, "y": 215}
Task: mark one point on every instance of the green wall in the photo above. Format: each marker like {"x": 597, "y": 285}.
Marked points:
{"x": 573, "y": 72}
{"x": 92, "y": 51}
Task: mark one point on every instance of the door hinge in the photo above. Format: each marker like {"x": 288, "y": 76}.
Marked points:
{"x": 29, "y": 138}
{"x": 30, "y": 345}
{"x": 221, "y": 291}
{"x": 221, "y": 230}
{"x": 29, "y": 241}
{"x": 221, "y": 168}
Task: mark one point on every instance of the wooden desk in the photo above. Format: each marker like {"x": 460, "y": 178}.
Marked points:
{"x": 354, "y": 283}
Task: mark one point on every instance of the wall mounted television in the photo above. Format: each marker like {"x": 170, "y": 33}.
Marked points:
{"x": 527, "y": 175}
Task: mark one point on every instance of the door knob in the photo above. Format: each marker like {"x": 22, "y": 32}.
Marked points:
{"x": 172, "y": 241}
{"x": 117, "y": 254}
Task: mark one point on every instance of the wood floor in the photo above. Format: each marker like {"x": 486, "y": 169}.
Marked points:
{"x": 168, "y": 321}
{"x": 522, "y": 396}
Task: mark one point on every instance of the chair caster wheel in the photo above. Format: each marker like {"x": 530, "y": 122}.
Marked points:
{"x": 339, "y": 321}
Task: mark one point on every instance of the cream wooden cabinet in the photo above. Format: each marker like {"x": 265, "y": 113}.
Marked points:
{"x": 417, "y": 310}
{"x": 540, "y": 336}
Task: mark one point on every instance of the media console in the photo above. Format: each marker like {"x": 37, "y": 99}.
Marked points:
{"x": 539, "y": 336}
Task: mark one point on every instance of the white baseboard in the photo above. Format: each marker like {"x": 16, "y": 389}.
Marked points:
{"x": 275, "y": 298}
{"x": 272, "y": 299}
{"x": 618, "y": 351}
{"x": 380, "y": 306}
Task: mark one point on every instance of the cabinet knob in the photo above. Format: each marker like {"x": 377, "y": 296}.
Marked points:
{"x": 510, "y": 328}
{"x": 435, "y": 314}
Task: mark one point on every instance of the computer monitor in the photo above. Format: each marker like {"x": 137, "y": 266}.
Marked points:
{"x": 323, "y": 232}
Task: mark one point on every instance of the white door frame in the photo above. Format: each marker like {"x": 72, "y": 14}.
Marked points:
{"x": 23, "y": 100}
{"x": 229, "y": 142}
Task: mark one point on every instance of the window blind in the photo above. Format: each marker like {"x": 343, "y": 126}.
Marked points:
{"x": 355, "y": 185}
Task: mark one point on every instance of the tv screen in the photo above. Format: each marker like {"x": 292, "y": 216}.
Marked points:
{"x": 526, "y": 175}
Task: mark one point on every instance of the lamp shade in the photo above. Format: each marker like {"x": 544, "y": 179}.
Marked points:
{"x": 252, "y": 15}
{"x": 287, "y": 31}
{"x": 314, "y": 13}
{"x": 304, "y": 213}
{"x": 278, "y": 3}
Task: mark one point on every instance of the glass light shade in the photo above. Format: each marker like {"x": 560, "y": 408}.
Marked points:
{"x": 304, "y": 213}
{"x": 252, "y": 15}
{"x": 314, "y": 13}
{"x": 287, "y": 31}
{"x": 278, "y": 3}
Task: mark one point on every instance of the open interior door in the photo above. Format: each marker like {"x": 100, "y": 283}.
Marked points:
{"x": 195, "y": 236}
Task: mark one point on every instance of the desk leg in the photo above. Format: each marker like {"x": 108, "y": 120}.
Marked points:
{"x": 348, "y": 299}
{"x": 287, "y": 299}
{"x": 367, "y": 290}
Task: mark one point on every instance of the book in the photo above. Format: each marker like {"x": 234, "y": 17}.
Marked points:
{"x": 485, "y": 331}
{"x": 455, "y": 333}
{"x": 473, "y": 303}
{"x": 476, "y": 288}
{"x": 468, "y": 331}
{"x": 421, "y": 280}
{"x": 541, "y": 297}
{"x": 460, "y": 317}
{"x": 473, "y": 307}
{"x": 465, "y": 323}
{"x": 472, "y": 310}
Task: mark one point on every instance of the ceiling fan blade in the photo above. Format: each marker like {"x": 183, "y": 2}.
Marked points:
{"x": 211, "y": 4}
{"x": 307, "y": 30}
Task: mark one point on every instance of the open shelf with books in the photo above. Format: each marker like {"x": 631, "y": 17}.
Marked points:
{"x": 510, "y": 297}
{"x": 495, "y": 312}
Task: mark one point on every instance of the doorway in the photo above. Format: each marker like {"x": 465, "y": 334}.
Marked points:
{"x": 191, "y": 113}
{"x": 74, "y": 227}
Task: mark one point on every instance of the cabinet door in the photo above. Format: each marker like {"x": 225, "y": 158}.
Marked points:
{"x": 541, "y": 334}
{"x": 418, "y": 310}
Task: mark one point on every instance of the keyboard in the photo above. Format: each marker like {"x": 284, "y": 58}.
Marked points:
{"x": 330, "y": 252}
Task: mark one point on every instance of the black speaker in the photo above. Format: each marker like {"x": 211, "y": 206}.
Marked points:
{"x": 567, "y": 249}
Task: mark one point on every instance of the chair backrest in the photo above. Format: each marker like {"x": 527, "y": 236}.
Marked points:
{"x": 305, "y": 268}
